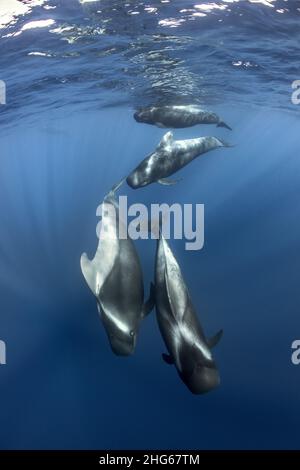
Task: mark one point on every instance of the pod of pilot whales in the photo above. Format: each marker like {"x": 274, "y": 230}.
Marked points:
{"x": 115, "y": 276}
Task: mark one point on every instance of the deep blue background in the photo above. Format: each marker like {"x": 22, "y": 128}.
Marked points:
{"x": 62, "y": 387}
{"x": 67, "y": 135}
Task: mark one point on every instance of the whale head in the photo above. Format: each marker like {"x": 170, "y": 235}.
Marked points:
{"x": 137, "y": 180}
{"x": 203, "y": 379}
{"x": 142, "y": 175}
{"x": 122, "y": 345}
{"x": 198, "y": 373}
{"x": 121, "y": 336}
{"x": 144, "y": 115}
{"x": 147, "y": 171}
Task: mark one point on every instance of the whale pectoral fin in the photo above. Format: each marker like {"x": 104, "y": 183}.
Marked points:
{"x": 212, "y": 342}
{"x": 167, "y": 182}
{"x": 223, "y": 124}
{"x": 224, "y": 143}
{"x": 149, "y": 305}
{"x": 168, "y": 359}
{"x": 99, "y": 309}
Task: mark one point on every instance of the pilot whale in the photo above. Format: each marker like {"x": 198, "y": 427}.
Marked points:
{"x": 170, "y": 156}
{"x": 115, "y": 277}
{"x": 178, "y": 116}
{"x": 189, "y": 349}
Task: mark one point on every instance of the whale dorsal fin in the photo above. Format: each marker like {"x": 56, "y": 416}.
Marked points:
{"x": 96, "y": 271}
{"x": 176, "y": 288}
{"x": 89, "y": 272}
{"x": 166, "y": 140}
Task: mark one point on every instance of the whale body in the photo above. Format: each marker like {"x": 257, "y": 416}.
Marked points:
{"x": 115, "y": 277}
{"x": 169, "y": 157}
{"x": 188, "y": 348}
{"x": 178, "y": 116}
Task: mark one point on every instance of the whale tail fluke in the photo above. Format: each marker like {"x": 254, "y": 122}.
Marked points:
{"x": 223, "y": 124}
{"x": 117, "y": 186}
{"x": 112, "y": 193}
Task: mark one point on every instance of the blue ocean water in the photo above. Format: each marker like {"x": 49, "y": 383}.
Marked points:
{"x": 75, "y": 71}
